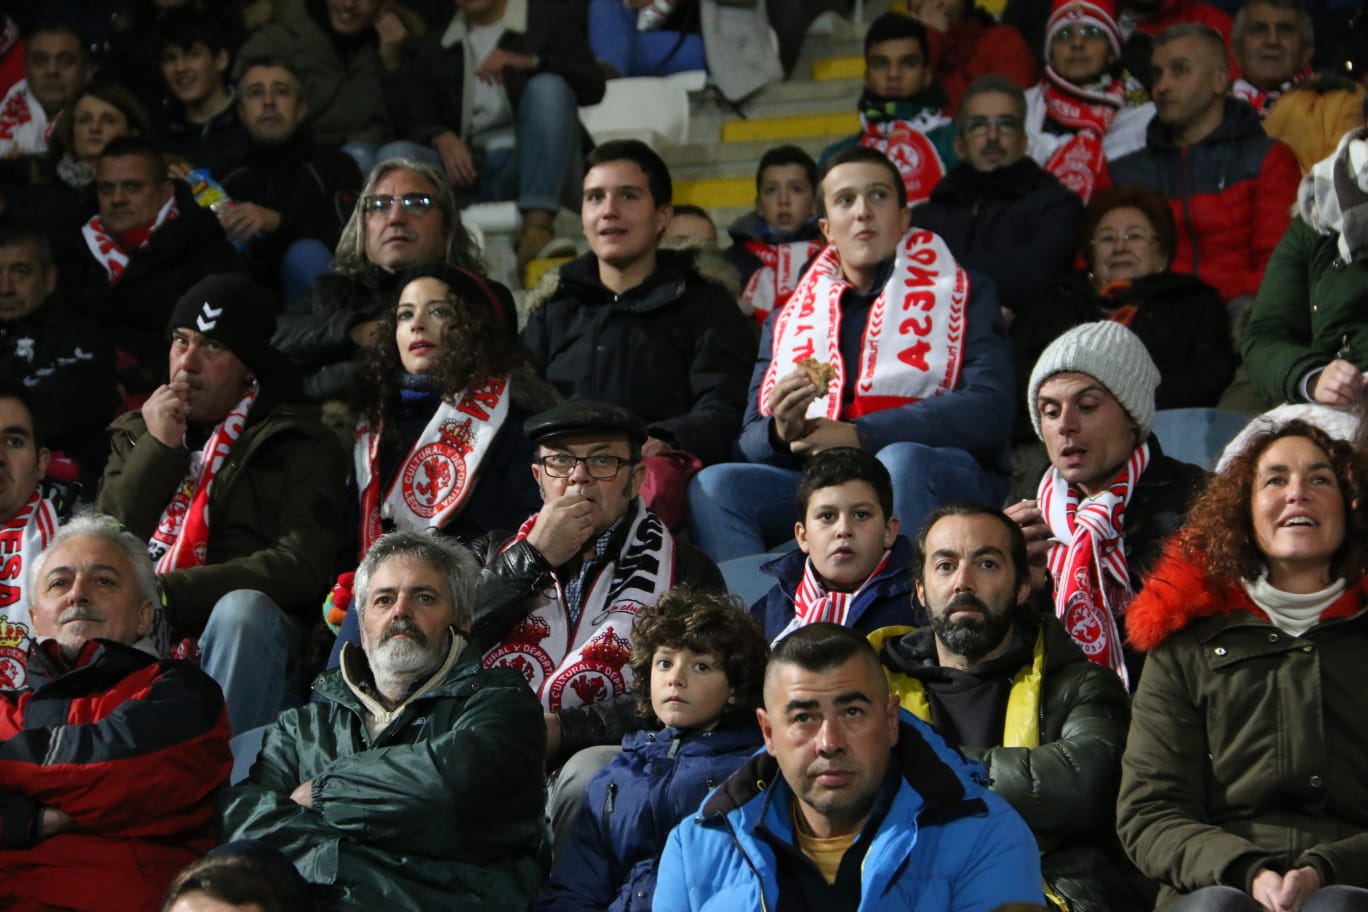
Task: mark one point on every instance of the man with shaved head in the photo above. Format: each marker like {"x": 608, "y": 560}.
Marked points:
{"x": 865, "y": 805}
{"x": 1231, "y": 187}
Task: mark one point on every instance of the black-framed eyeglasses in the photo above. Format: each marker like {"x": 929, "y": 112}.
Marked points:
{"x": 600, "y": 466}
{"x": 1069, "y": 32}
{"x": 413, "y": 203}
{"x": 1130, "y": 239}
{"x": 979, "y": 126}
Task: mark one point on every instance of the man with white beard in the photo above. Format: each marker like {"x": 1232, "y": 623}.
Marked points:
{"x": 418, "y": 783}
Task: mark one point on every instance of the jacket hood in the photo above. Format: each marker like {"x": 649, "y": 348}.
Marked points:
{"x": 1240, "y": 121}
{"x": 720, "y": 740}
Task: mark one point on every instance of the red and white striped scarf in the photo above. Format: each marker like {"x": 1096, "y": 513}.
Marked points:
{"x": 781, "y": 266}
{"x": 1263, "y": 101}
{"x": 24, "y": 125}
{"x": 107, "y": 251}
{"x": 1079, "y": 162}
{"x": 1088, "y": 558}
{"x": 812, "y": 603}
{"x": 182, "y": 533}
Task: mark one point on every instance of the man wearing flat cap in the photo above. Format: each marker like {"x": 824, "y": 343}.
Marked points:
{"x": 558, "y": 599}
{"x": 238, "y": 489}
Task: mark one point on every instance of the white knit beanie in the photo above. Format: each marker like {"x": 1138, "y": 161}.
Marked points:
{"x": 1112, "y": 355}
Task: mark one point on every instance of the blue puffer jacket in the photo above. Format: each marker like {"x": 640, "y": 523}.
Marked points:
{"x": 945, "y": 844}
{"x": 886, "y": 602}
{"x": 658, "y": 780}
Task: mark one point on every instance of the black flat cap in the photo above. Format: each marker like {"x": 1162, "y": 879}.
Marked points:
{"x": 585, "y": 417}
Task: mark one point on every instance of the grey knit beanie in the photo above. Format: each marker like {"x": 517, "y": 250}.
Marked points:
{"x": 1112, "y": 355}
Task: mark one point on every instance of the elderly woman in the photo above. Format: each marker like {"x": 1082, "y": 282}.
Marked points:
{"x": 1128, "y": 242}
{"x": 1245, "y": 778}
{"x": 440, "y": 441}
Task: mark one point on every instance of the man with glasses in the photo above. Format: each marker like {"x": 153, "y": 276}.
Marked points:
{"x": 998, "y": 210}
{"x": 1087, "y": 110}
{"x": 558, "y": 599}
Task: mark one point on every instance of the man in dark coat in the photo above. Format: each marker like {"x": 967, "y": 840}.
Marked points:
{"x": 998, "y": 210}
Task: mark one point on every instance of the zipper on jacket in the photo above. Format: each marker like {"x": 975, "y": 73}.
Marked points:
{"x": 608, "y": 806}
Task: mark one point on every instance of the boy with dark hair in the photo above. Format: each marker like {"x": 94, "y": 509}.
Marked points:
{"x": 199, "y": 119}
{"x": 699, "y": 666}
{"x": 901, "y": 107}
{"x": 851, "y": 563}
{"x": 771, "y": 245}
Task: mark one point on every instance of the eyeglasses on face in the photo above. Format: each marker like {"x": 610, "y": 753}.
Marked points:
{"x": 413, "y": 203}
{"x": 600, "y": 466}
{"x": 1070, "y": 32}
{"x": 979, "y": 126}
{"x": 1132, "y": 239}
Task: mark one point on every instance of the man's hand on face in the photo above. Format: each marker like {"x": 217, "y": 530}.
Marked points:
{"x": 825, "y": 434}
{"x": 788, "y": 403}
{"x": 563, "y": 528}
{"x": 164, "y": 411}
{"x": 303, "y": 794}
{"x": 392, "y": 32}
{"x": 1039, "y": 538}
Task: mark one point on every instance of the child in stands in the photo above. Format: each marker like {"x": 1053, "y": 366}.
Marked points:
{"x": 699, "y": 664}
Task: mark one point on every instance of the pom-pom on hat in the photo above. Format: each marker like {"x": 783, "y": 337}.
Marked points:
{"x": 1083, "y": 12}
{"x": 1112, "y": 355}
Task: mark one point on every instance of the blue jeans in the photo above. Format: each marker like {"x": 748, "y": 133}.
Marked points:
{"x": 542, "y": 169}
{"x": 368, "y": 155}
{"x": 303, "y": 261}
{"x": 746, "y": 508}
{"x": 249, "y": 646}
{"x": 614, "y": 38}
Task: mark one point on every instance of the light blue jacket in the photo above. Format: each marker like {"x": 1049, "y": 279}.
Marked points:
{"x": 946, "y": 844}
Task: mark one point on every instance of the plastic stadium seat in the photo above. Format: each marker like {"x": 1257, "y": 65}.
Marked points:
{"x": 743, "y": 576}
{"x": 1197, "y": 435}
{"x": 650, "y": 108}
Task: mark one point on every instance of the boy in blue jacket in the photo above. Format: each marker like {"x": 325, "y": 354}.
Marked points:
{"x": 698, "y": 663}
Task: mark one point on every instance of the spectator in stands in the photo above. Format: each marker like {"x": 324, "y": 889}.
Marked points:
{"x": 199, "y": 120}
{"x": 56, "y": 65}
{"x": 131, "y": 261}
{"x": 698, "y": 664}
{"x": 28, "y": 520}
{"x": 1307, "y": 338}
{"x": 1143, "y": 21}
{"x": 902, "y": 108}
{"x": 1182, "y": 321}
{"x": 416, "y": 781}
{"x": 689, "y": 226}
{"x": 287, "y": 187}
{"x": 1087, "y": 110}
{"x": 12, "y": 54}
{"x": 1110, "y": 496}
{"x": 406, "y": 215}
{"x": 771, "y": 245}
{"x": 966, "y": 44}
{"x": 1273, "y": 42}
{"x": 238, "y": 492}
{"x": 59, "y": 355}
{"x": 851, "y": 564}
{"x": 440, "y": 442}
{"x": 1012, "y": 690}
{"x": 646, "y": 37}
{"x": 239, "y": 877}
{"x": 998, "y": 211}
{"x": 853, "y": 803}
{"x": 496, "y": 95}
{"x": 112, "y": 756}
{"x": 350, "y": 59}
{"x": 558, "y": 599}
{"x": 928, "y": 390}
{"x": 1255, "y": 629}
{"x": 642, "y": 327}
{"x": 1230, "y": 186}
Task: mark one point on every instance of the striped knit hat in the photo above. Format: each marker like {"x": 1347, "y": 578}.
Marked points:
{"x": 1088, "y": 12}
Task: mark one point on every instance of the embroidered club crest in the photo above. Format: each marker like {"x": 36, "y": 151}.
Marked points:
{"x": 523, "y": 652}
{"x": 13, "y": 657}
{"x": 436, "y": 474}
{"x": 597, "y": 676}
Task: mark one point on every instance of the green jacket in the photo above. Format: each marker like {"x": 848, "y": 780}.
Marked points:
{"x": 442, "y": 810}
{"x": 1248, "y": 747}
{"x": 1064, "y": 786}
{"x": 274, "y": 511}
{"x": 1308, "y": 313}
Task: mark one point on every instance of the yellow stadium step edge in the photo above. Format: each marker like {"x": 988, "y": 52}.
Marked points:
{"x": 716, "y": 192}
{"x": 851, "y": 67}
{"x": 797, "y": 126}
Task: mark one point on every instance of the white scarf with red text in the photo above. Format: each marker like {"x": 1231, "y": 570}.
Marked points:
{"x": 1078, "y": 161}
{"x": 781, "y": 266}
{"x": 571, "y": 664}
{"x": 1088, "y": 559}
{"x": 107, "y": 251}
{"x": 183, "y": 531}
{"x": 24, "y": 127}
{"x": 909, "y": 149}
{"x": 913, "y": 344}
{"x": 438, "y": 473}
{"x": 22, "y": 539}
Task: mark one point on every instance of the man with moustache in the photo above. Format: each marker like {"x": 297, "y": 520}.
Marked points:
{"x": 416, "y": 781}
{"x": 1012, "y": 690}
{"x": 57, "y": 65}
{"x": 238, "y": 490}
{"x": 109, "y": 756}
